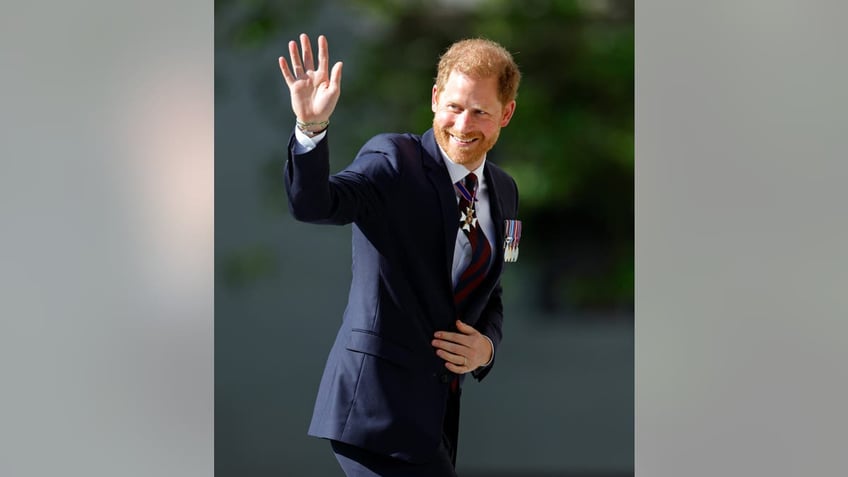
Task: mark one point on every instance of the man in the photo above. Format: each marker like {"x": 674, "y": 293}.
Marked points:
{"x": 433, "y": 222}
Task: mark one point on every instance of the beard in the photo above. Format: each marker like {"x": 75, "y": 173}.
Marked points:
{"x": 469, "y": 155}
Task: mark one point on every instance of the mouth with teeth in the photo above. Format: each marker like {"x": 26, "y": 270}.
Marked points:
{"x": 463, "y": 141}
{"x": 467, "y": 149}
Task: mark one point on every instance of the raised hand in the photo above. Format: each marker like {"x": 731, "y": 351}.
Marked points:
{"x": 314, "y": 92}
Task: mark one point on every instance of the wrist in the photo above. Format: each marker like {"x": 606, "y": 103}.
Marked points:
{"x": 312, "y": 128}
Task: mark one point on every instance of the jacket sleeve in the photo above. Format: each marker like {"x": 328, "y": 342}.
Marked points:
{"x": 358, "y": 191}
{"x": 489, "y": 324}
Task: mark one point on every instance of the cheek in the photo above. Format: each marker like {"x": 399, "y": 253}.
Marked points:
{"x": 486, "y": 130}
{"x": 443, "y": 120}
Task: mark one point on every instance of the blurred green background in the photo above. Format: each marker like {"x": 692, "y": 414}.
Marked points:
{"x": 560, "y": 401}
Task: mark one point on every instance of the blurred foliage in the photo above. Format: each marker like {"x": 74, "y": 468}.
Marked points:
{"x": 253, "y": 23}
{"x": 248, "y": 265}
{"x": 570, "y": 145}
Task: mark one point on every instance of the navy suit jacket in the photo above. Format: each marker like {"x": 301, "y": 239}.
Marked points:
{"x": 384, "y": 388}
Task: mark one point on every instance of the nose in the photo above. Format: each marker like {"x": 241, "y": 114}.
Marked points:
{"x": 462, "y": 122}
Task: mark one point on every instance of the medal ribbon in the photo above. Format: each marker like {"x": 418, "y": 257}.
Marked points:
{"x": 463, "y": 191}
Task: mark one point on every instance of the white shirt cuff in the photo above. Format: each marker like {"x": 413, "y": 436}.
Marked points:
{"x": 493, "y": 352}
{"x": 304, "y": 143}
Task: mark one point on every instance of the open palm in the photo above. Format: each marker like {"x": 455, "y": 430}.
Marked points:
{"x": 314, "y": 92}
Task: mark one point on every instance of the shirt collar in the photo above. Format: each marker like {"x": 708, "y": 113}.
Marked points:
{"x": 457, "y": 171}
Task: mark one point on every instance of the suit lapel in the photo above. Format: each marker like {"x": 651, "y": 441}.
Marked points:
{"x": 440, "y": 179}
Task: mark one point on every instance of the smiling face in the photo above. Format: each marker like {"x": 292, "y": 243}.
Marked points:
{"x": 468, "y": 117}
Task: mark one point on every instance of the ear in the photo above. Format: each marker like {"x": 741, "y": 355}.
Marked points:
{"x": 434, "y": 99}
{"x": 507, "y": 113}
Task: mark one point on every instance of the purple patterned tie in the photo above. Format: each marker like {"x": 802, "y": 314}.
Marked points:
{"x": 481, "y": 251}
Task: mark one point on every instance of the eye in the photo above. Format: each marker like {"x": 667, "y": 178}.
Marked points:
{"x": 454, "y": 107}
{"x": 480, "y": 112}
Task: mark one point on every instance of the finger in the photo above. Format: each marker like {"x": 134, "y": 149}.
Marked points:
{"x": 323, "y": 56}
{"x": 284, "y": 67}
{"x": 449, "y": 347}
{"x": 457, "y": 369}
{"x": 452, "y": 358}
{"x": 454, "y": 337}
{"x": 336, "y": 76}
{"x": 306, "y": 45}
{"x": 295, "y": 58}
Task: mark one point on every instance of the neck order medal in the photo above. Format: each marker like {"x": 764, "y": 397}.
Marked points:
{"x": 469, "y": 218}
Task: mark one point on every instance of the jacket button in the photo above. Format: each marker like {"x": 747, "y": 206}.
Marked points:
{"x": 445, "y": 378}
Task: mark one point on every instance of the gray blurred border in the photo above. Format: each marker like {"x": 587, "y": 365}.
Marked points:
{"x": 741, "y": 233}
{"x": 106, "y": 252}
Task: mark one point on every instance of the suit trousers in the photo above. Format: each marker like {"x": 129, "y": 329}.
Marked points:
{"x": 358, "y": 462}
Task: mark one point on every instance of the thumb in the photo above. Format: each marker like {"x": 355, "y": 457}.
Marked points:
{"x": 465, "y": 328}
